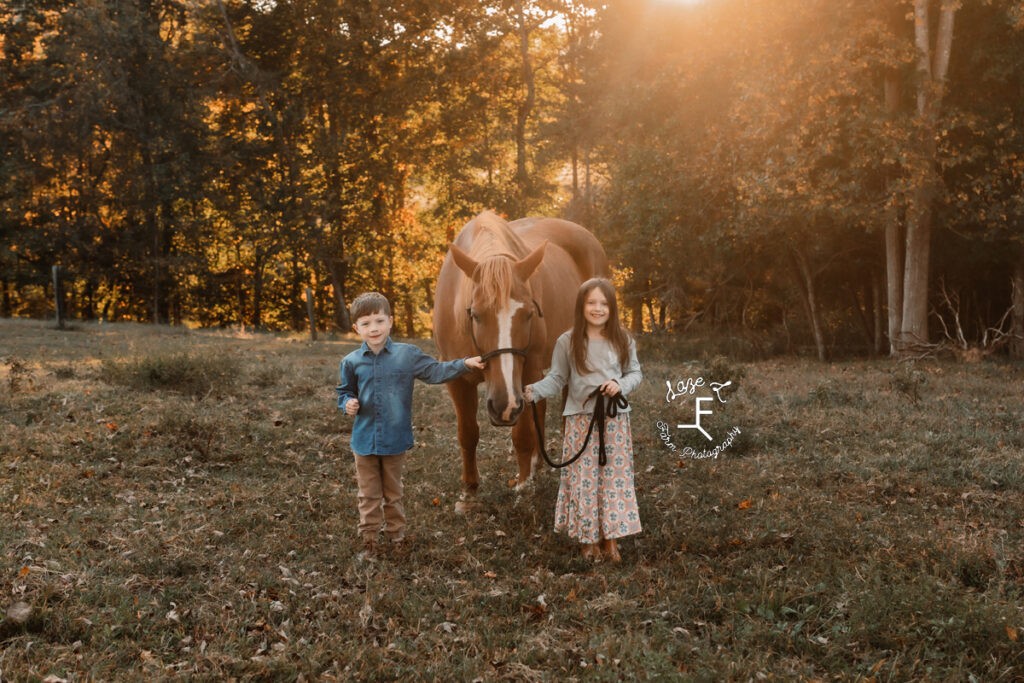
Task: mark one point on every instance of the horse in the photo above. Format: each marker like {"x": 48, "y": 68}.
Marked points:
{"x": 506, "y": 291}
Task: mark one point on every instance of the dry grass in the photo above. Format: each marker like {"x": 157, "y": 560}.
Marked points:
{"x": 181, "y": 503}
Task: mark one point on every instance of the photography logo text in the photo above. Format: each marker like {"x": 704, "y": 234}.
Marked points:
{"x": 682, "y": 392}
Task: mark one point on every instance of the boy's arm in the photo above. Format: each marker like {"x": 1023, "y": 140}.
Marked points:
{"x": 349, "y": 388}
{"x": 434, "y": 371}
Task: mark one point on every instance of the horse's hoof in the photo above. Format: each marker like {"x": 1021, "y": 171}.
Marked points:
{"x": 520, "y": 485}
{"x": 464, "y": 506}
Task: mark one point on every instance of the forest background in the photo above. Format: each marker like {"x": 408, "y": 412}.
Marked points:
{"x": 832, "y": 177}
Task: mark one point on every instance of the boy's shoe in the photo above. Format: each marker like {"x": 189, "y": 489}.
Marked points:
{"x": 371, "y": 548}
{"x": 400, "y": 544}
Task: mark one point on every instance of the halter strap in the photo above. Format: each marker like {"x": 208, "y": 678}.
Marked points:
{"x": 510, "y": 349}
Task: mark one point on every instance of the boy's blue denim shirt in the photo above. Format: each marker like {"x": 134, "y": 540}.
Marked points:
{"x": 382, "y": 383}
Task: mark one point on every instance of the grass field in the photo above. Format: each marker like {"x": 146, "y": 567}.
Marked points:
{"x": 182, "y": 504}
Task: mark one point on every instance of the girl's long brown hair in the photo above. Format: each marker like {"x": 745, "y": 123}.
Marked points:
{"x": 613, "y": 330}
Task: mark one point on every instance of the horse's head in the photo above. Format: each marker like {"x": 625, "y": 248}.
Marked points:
{"x": 501, "y": 317}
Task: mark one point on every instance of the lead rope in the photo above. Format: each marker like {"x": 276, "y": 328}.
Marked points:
{"x": 615, "y": 404}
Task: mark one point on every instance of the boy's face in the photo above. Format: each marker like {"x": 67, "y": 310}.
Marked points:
{"x": 374, "y": 329}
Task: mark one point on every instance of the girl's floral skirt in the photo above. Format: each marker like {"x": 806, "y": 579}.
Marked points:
{"x": 597, "y": 502}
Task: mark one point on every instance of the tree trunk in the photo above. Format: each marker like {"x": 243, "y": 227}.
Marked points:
{"x": 877, "y": 286}
{"x": 338, "y": 270}
{"x": 410, "y": 317}
{"x": 914, "y": 330}
{"x": 637, "y": 323}
{"x": 526, "y": 106}
{"x": 7, "y": 306}
{"x": 920, "y": 216}
{"x": 805, "y": 283}
{"x": 295, "y": 304}
{"x": 862, "y": 315}
{"x": 894, "y": 275}
{"x": 1017, "y": 326}
{"x": 257, "y": 290}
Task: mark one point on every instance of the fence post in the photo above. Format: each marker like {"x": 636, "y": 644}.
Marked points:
{"x": 58, "y": 297}
{"x": 311, "y": 313}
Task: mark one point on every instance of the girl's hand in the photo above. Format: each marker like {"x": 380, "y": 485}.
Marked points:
{"x": 476, "y": 362}
{"x": 352, "y": 406}
{"x": 610, "y": 388}
{"x": 528, "y": 393}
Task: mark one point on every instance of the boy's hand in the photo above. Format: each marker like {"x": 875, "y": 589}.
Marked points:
{"x": 476, "y": 362}
{"x": 352, "y": 406}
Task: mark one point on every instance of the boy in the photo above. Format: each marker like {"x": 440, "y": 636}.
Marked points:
{"x": 376, "y": 387}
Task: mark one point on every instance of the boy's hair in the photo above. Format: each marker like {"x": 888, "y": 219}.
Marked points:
{"x": 368, "y": 304}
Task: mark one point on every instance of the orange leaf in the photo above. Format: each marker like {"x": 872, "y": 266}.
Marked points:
{"x": 1011, "y": 633}
{"x": 437, "y": 501}
{"x": 112, "y": 426}
{"x": 24, "y": 572}
{"x": 490, "y": 575}
{"x": 744, "y": 505}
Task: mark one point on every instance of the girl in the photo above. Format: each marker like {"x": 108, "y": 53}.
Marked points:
{"x": 596, "y": 505}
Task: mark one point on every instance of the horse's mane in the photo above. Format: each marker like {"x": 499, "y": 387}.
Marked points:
{"x": 495, "y": 248}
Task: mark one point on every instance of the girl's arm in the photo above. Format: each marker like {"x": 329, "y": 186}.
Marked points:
{"x": 631, "y": 375}
{"x": 557, "y": 376}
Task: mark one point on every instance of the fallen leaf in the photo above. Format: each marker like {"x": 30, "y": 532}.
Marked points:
{"x": 24, "y": 572}
{"x": 744, "y": 505}
{"x": 437, "y": 501}
{"x": 19, "y": 612}
{"x": 1011, "y": 633}
{"x": 112, "y": 426}
{"x": 490, "y": 575}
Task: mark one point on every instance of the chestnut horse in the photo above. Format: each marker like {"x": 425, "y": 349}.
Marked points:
{"x": 506, "y": 291}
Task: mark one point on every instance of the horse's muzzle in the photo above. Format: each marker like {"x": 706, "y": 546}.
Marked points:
{"x": 504, "y": 417}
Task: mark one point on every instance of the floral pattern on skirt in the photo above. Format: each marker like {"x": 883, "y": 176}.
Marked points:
{"x": 595, "y": 502}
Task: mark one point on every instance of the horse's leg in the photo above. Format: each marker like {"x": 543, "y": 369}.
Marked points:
{"x": 526, "y": 442}
{"x": 464, "y": 396}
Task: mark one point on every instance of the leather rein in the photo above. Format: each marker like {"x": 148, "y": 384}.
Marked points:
{"x": 603, "y": 409}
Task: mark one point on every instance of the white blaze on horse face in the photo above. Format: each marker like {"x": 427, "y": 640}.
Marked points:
{"x": 505, "y": 316}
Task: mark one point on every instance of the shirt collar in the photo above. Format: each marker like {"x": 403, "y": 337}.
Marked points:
{"x": 367, "y": 351}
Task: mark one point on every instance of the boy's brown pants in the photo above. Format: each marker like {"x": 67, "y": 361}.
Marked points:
{"x": 380, "y": 495}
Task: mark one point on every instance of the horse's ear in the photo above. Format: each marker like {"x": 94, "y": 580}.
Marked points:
{"x": 525, "y": 268}
{"x": 463, "y": 260}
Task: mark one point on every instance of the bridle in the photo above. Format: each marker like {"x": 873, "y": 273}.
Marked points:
{"x": 511, "y": 349}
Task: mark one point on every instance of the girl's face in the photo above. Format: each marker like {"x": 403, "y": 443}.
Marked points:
{"x": 595, "y": 308}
